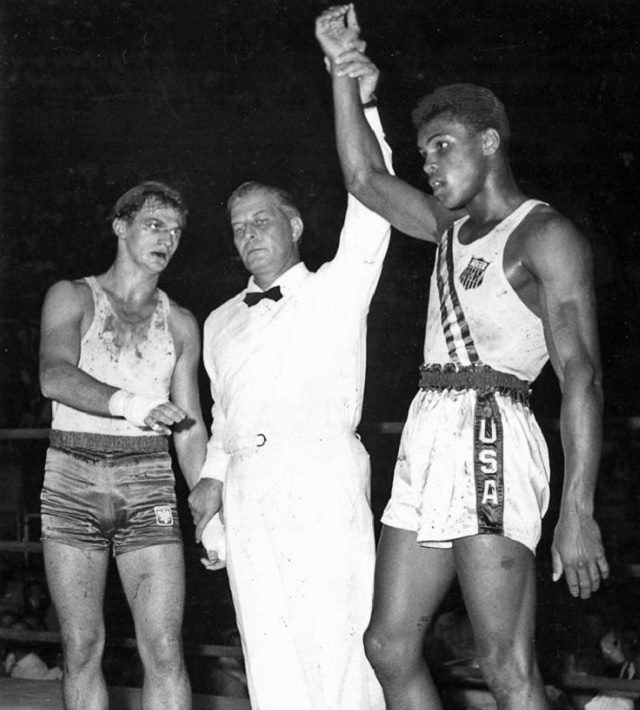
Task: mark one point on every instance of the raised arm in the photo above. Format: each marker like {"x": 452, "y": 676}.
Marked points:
{"x": 190, "y": 435}
{"x": 410, "y": 210}
{"x": 559, "y": 257}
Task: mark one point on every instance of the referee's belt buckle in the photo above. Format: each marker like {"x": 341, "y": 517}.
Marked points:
{"x": 252, "y": 441}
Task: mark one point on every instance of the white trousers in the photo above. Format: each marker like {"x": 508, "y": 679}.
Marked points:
{"x": 300, "y": 558}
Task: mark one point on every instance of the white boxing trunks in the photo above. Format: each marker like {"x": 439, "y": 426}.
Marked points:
{"x": 470, "y": 463}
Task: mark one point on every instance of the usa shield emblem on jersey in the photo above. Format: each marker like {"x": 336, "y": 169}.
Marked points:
{"x": 164, "y": 516}
{"x": 472, "y": 275}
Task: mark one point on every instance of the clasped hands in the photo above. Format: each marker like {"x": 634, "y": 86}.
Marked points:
{"x": 338, "y": 32}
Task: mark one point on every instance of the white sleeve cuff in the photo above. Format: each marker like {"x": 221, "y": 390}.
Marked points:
{"x": 373, "y": 119}
{"x": 215, "y": 466}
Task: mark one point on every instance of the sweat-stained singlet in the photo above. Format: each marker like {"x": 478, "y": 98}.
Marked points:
{"x": 140, "y": 360}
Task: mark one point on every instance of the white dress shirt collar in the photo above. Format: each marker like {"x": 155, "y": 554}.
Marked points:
{"x": 288, "y": 282}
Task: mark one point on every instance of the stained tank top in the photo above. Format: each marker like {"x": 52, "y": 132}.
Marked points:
{"x": 474, "y": 314}
{"x": 139, "y": 358}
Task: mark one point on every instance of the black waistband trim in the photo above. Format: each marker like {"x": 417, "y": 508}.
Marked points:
{"x": 481, "y": 378}
{"x": 107, "y": 444}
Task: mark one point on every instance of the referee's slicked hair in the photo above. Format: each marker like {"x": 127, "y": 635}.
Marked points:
{"x": 129, "y": 204}
{"x": 284, "y": 199}
{"x": 474, "y": 106}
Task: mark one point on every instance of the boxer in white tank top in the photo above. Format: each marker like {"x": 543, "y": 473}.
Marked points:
{"x": 471, "y": 479}
{"x": 511, "y": 338}
{"x": 119, "y": 361}
{"x": 462, "y": 471}
{"x": 140, "y": 360}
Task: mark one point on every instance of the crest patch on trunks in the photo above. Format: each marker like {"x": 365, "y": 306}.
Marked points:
{"x": 164, "y": 516}
{"x": 473, "y": 273}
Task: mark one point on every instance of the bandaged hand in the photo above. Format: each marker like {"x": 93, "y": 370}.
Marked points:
{"x": 135, "y": 408}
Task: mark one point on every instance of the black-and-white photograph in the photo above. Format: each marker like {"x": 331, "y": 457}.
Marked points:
{"x": 320, "y": 355}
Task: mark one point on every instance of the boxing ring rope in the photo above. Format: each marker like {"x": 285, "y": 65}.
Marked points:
{"x": 53, "y": 637}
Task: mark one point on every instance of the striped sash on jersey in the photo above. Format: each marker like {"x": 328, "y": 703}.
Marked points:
{"x": 454, "y": 323}
{"x": 488, "y": 439}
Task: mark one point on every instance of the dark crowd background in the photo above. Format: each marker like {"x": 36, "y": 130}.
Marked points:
{"x": 204, "y": 94}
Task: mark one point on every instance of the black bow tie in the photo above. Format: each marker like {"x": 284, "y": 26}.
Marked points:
{"x": 253, "y": 297}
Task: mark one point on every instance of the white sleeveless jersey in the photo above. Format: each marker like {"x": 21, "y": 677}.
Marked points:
{"x": 474, "y": 314}
{"x": 140, "y": 359}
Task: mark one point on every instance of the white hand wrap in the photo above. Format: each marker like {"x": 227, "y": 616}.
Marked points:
{"x": 133, "y": 407}
{"x": 213, "y": 537}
